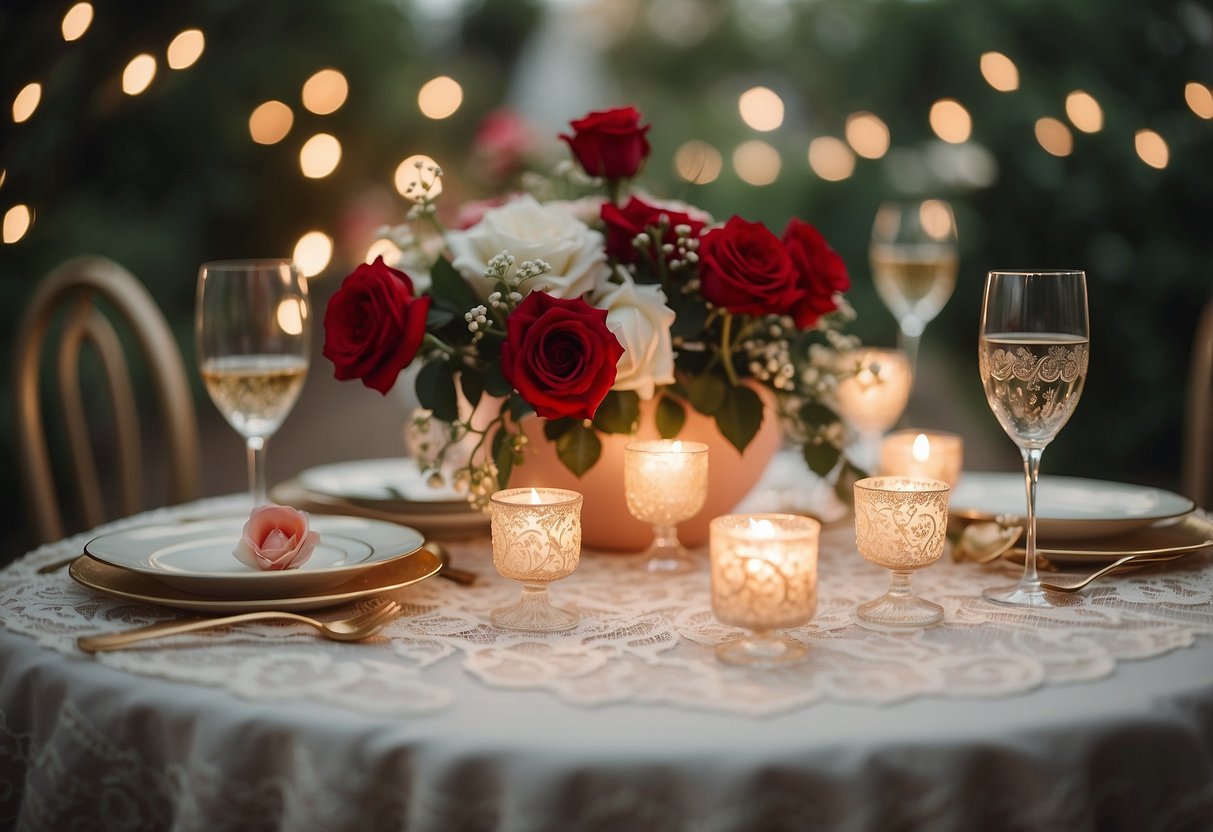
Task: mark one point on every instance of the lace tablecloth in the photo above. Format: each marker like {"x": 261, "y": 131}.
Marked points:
{"x": 642, "y": 639}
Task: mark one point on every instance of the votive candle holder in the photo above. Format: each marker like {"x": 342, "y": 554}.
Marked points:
{"x": 936, "y": 455}
{"x": 665, "y": 481}
{"x": 536, "y": 540}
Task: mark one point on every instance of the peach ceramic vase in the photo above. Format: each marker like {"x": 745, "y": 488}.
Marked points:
{"x": 606, "y": 523}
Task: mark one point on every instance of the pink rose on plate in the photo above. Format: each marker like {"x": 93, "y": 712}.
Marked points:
{"x": 276, "y": 537}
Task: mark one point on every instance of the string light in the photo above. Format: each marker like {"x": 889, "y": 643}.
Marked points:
{"x": 1054, "y": 136}
{"x": 831, "y": 159}
{"x": 951, "y": 121}
{"x": 26, "y": 102}
{"x": 270, "y": 122}
{"x": 77, "y": 20}
{"x": 138, "y": 74}
{"x": 17, "y": 221}
{"x": 313, "y": 253}
{"x": 1199, "y": 98}
{"x": 1000, "y": 72}
{"x": 761, "y": 109}
{"x": 319, "y": 156}
{"x": 756, "y": 162}
{"x": 867, "y": 135}
{"x": 185, "y": 49}
{"x": 1084, "y": 111}
{"x": 698, "y": 162}
{"x": 415, "y": 176}
{"x": 1151, "y": 148}
{"x": 440, "y": 97}
{"x": 325, "y": 92}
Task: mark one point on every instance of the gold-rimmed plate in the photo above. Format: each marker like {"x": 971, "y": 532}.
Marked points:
{"x": 1188, "y": 535}
{"x": 134, "y": 586}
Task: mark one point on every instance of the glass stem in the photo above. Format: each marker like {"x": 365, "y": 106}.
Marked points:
{"x": 899, "y": 583}
{"x": 1031, "y": 472}
{"x": 256, "y": 470}
{"x": 908, "y": 344}
{"x": 665, "y": 537}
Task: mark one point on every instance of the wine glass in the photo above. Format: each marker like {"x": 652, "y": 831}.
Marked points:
{"x": 1033, "y": 349}
{"x": 665, "y": 481}
{"x": 901, "y": 524}
{"x": 913, "y": 258}
{"x": 253, "y": 330}
{"x": 536, "y": 540}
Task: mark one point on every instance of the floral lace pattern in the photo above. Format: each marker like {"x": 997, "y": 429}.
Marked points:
{"x": 644, "y": 638}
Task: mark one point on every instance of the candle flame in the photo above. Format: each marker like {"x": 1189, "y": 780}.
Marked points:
{"x": 762, "y": 527}
{"x": 534, "y": 497}
{"x": 922, "y": 448}
{"x": 677, "y": 446}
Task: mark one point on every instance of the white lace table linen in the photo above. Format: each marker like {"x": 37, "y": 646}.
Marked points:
{"x": 643, "y": 639}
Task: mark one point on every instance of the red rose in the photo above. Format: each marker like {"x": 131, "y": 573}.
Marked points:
{"x": 744, "y": 268}
{"x": 623, "y": 224}
{"x": 822, "y": 272}
{"x": 559, "y": 355}
{"x": 609, "y": 144}
{"x": 374, "y": 325}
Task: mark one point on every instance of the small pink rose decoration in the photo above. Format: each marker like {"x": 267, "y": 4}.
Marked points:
{"x": 276, "y": 537}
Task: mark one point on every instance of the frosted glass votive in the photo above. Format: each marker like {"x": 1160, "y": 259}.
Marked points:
{"x": 934, "y": 455}
{"x": 536, "y": 540}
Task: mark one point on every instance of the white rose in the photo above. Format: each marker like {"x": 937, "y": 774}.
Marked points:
{"x": 638, "y": 316}
{"x": 530, "y": 231}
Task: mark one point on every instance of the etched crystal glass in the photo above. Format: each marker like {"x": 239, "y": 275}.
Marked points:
{"x": 536, "y": 540}
{"x": 900, "y": 524}
{"x": 665, "y": 482}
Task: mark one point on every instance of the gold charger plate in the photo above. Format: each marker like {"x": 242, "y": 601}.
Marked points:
{"x": 122, "y": 583}
{"x": 1191, "y": 533}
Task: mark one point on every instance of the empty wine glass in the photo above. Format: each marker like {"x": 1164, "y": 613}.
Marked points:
{"x": 1033, "y": 350}
{"x": 665, "y": 481}
{"x": 913, "y": 258}
{"x": 253, "y": 330}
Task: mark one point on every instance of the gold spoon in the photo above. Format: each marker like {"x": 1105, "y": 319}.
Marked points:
{"x": 985, "y": 542}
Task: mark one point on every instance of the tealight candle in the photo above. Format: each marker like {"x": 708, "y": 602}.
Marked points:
{"x": 536, "y": 540}
{"x": 764, "y": 578}
{"x": 931, "y": 454}
{"x": 665, "y": 481}
{"x": 872, "y": 396}
{"x": 900, "y": 524}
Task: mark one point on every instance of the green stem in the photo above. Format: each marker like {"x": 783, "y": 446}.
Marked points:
{"x": 726, "y": 349}
{"x": 434, "y": 342}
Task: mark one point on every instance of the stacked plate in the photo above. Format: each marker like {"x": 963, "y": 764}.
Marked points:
{"x": 190, "y": 565}
{"x": 1086, "y": 521}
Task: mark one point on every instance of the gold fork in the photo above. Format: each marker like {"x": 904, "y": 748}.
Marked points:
{"x": 1099, "y": 573}
{"x": 354, "y": 628}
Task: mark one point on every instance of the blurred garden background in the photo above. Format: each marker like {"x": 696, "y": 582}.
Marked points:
{"x": 1071, "y": 133}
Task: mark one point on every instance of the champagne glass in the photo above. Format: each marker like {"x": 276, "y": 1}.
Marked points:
{"x": 253, "y": 331}
{"x": 1033, "y": 348}
{"x": 913, "y": 258}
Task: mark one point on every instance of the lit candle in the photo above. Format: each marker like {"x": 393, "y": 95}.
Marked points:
{"x": 536, "y": 540}
{"x": 932, "y": 454}
{"x": 764, "y": 578}
{"x": 665, "y": 482}
{"x": 874, "y": 389}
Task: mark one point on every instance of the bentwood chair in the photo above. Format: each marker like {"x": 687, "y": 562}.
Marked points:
{"x": 1197, "y": 470}
{"x": 78, "y": 304}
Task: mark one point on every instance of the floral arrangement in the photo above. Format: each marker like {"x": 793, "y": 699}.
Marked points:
{"x": 575, "y": 309}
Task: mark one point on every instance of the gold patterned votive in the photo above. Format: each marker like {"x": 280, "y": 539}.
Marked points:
{"x": 900, "y": 524}
{"x": 764, "y": 578}
{"x": 875, "y": 388}
{"x": 665, "y": 481}
{"x": 536, "y": 540}
{"x": 931, "y": 454}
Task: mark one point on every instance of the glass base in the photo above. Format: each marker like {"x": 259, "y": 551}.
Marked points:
{"x": 666, "y": 555}
{"x": 534, "y": 613}
{"x": 1019, "y": 595}
{"x": 898, "y": 612}
{"x": 761, "y": 650}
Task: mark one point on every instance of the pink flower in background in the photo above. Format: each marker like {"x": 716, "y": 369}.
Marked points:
{"x": 502, "y": 144}
{"x": 276, "y": 537}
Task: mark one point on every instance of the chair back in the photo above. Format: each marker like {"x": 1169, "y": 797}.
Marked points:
{"x": 80, "y": 301}
{"x": 1197, "y": 466}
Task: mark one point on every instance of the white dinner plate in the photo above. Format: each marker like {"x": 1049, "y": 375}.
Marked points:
{"x": 1067, "y": 508}
{"x": 391, "y": 484}
{"x": 197, "y": 555}
{"x": 133, "y": 586}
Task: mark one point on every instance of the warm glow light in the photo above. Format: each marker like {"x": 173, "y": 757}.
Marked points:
{"x": 535, "y": 497}
{"x": 416, "y": 177}
{"x": 935, "y": 217}
{"x": 185, "y": 49}
{"x": 138, "y": 74}
{"x": 270, "y": 122}
{"x": 761, "y": 109}
{"x": 831, "y": 159}
{"x": 290, "y": 316}
{"x": 761, "y": 527}
{"x": 1152, "y": 148}
{"x": 440, "y": 97}
{"x": 1199, "y": 98}
{"x": 77, "y": 20}
{"x": 951, "y": 121}
{"x": 999, "y": 71}
{"x": 17, "y": 221}
{"x": 922, "y": 448}
{"x": 26, "y": 102}
{"x": 319, "y": 156}
{"x": 1084, "y": 111}
{"x": 867, "y": 135}
{"x": 677, "y": 446}
{"x": 313, "y": 253}
{"x": 325, "y": 92}
{"x": 389, "y": 251}
{"x": 698, "y": 162}
{"x": 756, "y": 162}
{"x": 1054, "y": 136}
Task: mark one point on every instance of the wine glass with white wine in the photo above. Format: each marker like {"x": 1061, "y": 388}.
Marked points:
{"x": 914, "y": 263}
{"x": 253, "y": 329}
{"x": 1033, "y": 350}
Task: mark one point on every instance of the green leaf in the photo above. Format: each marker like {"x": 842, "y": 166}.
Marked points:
{"x": 578, "y": 448}
{"x": 553, "y": 429}
{"x": 844, "y": 485}
{"x": 503, "y": 455}
{"x": 449, "y": 289}
{"x": 739, "y": 416}
{"x": 690, "y": 313}
{"x": 619, "y": 412}
{"x": 817, "y": 415}
{"x": 707, "y": 393}
{"x": 437, "y": 317}
{"x": 472, "y": 384}
{"x": 494, "y": 382}
{"x": 517, "y": 407}
{"x": 436, "y": 390}
{"x": 671, "y": 416}
{"x": 821, "y": 457}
